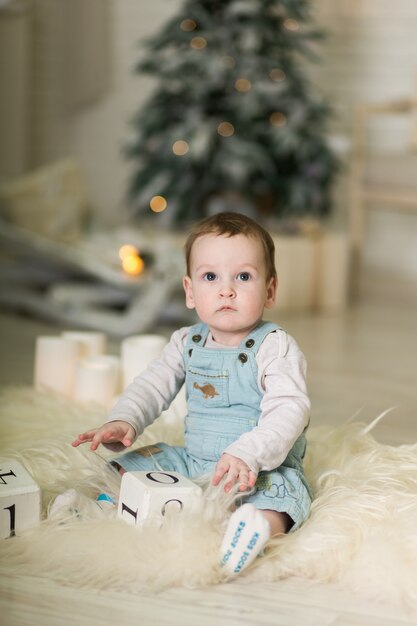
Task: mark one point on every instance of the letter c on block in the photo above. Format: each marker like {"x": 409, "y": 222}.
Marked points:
{"x": 178, "y": 505}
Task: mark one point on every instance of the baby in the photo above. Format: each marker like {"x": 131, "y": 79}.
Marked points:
{"x": 246, "y": 392}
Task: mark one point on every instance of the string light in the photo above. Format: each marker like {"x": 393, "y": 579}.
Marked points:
{"x": 180, "y": 147}
{"x": 188, "y": 25}
{"x": 278, "y": 119}
{"x": 133, "y": 265}
{"x": 158, "y": 204}
{"x": 126, "y": 250}
{"x": 277, "y": 74}
{"x": 291, "y": 24}
{"x": 225, "y": 129}
{"x": 132, "y": 262}
{"x": 228, "y": 61}
{"x": 243, "y": 85}
{"x": 198, "y": 43}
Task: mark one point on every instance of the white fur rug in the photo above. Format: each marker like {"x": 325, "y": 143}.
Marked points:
{"x": 361, "y": 532}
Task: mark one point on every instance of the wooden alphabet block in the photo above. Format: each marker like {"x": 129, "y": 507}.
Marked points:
{"x": 152, "y": 494}
{"x": 20, "y": 499}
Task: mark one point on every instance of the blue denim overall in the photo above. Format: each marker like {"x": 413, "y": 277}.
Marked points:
{"x": 223, "y": 401}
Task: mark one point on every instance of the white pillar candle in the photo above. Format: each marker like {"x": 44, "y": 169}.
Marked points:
{"x": 115, "y": 364}
{"x": 137, "y": 352}
{"x": 89, "y": 343}
{"x": 55, "y": 361}
{"x": 96, "y": 380}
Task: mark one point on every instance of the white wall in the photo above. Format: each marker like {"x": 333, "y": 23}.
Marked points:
{"x": 371, "y": 54}
{"x": 100, "y": 132}
{"x": 15, "y": 53}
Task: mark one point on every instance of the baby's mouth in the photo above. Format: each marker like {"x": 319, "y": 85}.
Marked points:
{"x": 226, "y": 308}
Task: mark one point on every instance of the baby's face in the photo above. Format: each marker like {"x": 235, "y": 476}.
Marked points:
{"x": 228, "y": 286}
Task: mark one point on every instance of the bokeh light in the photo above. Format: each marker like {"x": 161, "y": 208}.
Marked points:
{"x": 278, "y": 119}
{"x": 291, "y": 24}
{"x": 158, "y": 204}
{"x": 133, "y": 264}
{"x": 243, "y": 85}
{"x": 225, "y": 129}
{"x": 277, "y": 74}
{"x": 126, "y": 250}
{"x": 198, "y": 43}
{"x": 188, "y": 25}
{"x": 180, "y": 147}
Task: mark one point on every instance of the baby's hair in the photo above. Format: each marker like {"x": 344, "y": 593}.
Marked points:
{"x": 231, "y": 224}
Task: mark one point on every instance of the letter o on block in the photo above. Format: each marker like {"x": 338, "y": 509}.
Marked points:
{"x": 145, "y": 495}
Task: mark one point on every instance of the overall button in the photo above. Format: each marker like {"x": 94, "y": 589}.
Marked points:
{"x": 250, "y": 343}
{"x": 243, "y": 357}
{"x": 196, "y": 338}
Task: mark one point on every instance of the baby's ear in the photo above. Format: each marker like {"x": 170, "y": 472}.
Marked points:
{"x": 271, "y": 292}
{"x": 189, "y": 296}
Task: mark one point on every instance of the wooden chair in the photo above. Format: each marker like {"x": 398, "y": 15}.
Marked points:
{"x": 380, "y": 180}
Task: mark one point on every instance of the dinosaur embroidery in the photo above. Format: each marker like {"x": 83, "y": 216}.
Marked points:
{"x": 207, "y": 390}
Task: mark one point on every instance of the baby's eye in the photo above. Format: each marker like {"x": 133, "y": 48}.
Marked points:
{"x": 210, "y": 276}
{"x": 244, "y": 276}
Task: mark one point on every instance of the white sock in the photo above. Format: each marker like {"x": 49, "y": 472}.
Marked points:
{"x": 247, "y": 533}
{"x": 72, "y": 503}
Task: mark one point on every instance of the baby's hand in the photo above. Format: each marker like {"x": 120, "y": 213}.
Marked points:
{"x": 237, "y": 472}
{"x": 108, "y": 433}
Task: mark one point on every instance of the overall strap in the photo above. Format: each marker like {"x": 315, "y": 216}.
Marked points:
{"x": 253, "y": 341}
{"x": 197, "y": 336}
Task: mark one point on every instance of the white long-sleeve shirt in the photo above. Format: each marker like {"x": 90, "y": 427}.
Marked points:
{"x": 285, "y": 405}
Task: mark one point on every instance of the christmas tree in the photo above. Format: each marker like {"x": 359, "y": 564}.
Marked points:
{"x": 234, "y": 113}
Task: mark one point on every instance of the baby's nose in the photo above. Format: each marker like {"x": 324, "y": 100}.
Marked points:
{"x": 227, "y": 290}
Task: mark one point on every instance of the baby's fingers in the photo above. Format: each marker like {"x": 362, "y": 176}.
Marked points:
{"x": 84, "y": 437}
{"x": 101, "y": 437}
{"x": 252, "y": 479}
{"x": 128, "y": 439}
{"x": 113, "y": 434}
{"x": 243, "y": 480}
{"x": 220, "y": 471}
{"x": 246, "y": 479}
{"x": 231, "y": 480}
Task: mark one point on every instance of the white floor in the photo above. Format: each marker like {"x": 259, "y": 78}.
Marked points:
{"x": 362, "y": 359}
